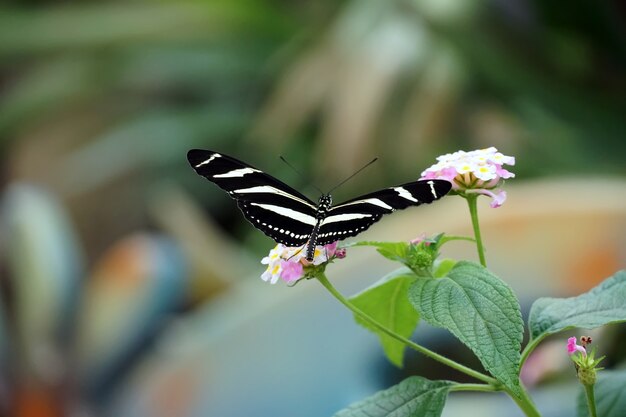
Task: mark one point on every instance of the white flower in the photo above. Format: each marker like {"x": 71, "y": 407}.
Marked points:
{"x": 273, "y": 262}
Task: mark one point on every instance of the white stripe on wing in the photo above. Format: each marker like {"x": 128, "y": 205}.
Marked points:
{"x": 215, "y": 155}
{"x": 432, "y": 189}
{"x": 236, "y": 173}
{"x": 374, "y": 201}
{"x": 344, "y": 217}
{"x": 272, "y": 190}
{"x": 405, "y": 194}
{"x": 292, "y": 214}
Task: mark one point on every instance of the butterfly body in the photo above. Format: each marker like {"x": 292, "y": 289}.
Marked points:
{"x": 290, "y": 218}
{"x": 323, "y": 207}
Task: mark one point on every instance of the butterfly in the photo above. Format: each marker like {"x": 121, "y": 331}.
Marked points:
{"x": 290, "y": 218}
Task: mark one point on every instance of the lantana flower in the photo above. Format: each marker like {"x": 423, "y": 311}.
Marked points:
{"x": 479, "y": 171}
{"x": 289, "y": 263}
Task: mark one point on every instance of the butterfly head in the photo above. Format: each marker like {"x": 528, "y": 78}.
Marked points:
{"x": 324, "y": 203}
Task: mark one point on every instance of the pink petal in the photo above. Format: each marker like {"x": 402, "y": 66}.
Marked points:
{"x": 428, "y": 175}
{"x": 444, "y": 174}
{"x": 573, "y": 347}
{"x": 498, "y": 199}
{"x": 448, "y": 173}
{"x": 418, "y": 239}
{"x": 503, "y": 173}
{"x": 291, "y": 271}
{"x": 331, "y": 248}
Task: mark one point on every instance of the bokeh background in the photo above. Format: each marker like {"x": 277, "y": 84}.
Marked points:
{"x": 130, "y": 285}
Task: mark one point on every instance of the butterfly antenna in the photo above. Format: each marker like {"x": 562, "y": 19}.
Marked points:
{"x": 353, "y": 175}
{"x": 299, "y": 173}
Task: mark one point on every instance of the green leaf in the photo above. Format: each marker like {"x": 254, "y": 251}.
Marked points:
{"x": 387, "y": 303}
{"x": 443, "y": 267}
{"x": 610, "y": 394}
{"x": 413, "y": 397}
{"x": 602, "y": 305}
{"x": 396, "y": 251}
{"x": 481, "y": 311}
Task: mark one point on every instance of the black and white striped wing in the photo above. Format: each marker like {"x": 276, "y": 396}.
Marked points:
{"x": 273, "y": 207}
{"x": 356, "y": 215}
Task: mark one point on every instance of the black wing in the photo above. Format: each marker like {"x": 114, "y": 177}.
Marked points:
{"x": 354, "y": 216}
{"x": 272, "y": 206}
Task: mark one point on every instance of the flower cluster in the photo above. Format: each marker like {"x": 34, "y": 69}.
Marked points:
{"x": 289, "y": 263}
{"x": 478, "y": 171}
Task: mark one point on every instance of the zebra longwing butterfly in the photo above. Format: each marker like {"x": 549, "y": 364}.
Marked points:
{"x": 290, "y": 218}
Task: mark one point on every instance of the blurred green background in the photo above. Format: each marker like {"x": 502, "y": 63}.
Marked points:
{"x": 120, "y": 267}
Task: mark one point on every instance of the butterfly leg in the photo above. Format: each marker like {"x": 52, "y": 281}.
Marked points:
{"x": 297, "y": 252}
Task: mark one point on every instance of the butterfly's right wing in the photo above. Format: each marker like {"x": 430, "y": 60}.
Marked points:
{"x": 272, "y": 206}
{"x": 357, "y": 215}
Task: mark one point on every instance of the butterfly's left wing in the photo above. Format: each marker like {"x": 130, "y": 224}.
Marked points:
{"x": 272, "y": 206}
{"x": 356, "y": 215}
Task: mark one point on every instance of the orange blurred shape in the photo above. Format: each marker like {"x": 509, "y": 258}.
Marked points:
{"x": 127, "y": 262}
{"x": 37, "y": 402}
{"x": 597, "y": 264}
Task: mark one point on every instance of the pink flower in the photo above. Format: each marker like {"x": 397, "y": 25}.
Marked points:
{"x": 477, "y": 171}
{"x": 572, "y": 347}
{"x": 291, "y": 271}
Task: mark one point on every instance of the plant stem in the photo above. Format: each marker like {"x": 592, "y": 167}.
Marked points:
{"x": 475, "y": 387}
{"x": 461, "y": 368}
{"x": 591, "y": 401}
{"x": 473, "y": 208}
{"x": 532, "y": 344}
{"x": 525, "y": 403}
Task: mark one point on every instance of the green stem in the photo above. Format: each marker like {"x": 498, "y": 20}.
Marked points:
{"x": 591, "y": 401}
{"x": 473, "y": 208}
{"x": 525, "y": 403}
{"x": 461, "y": 368}
{"x": 476, "y": 387}
{"x": 532, "y": 344}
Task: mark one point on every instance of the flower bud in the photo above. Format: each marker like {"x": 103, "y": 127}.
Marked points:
{"x": 586, "y": 364}
{"x": 587, "y": 376}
